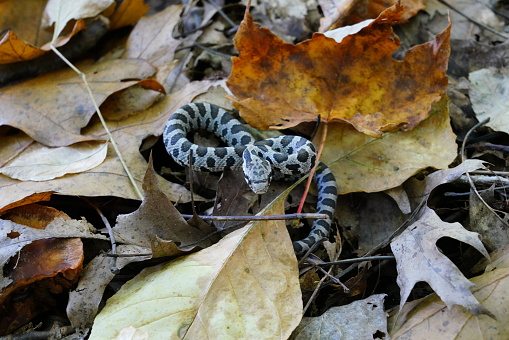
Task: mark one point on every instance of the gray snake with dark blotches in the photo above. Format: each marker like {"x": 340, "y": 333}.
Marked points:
{"x": 284, "y": 157}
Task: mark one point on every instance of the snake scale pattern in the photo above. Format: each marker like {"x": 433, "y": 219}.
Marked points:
{"x": 284, "y": 157}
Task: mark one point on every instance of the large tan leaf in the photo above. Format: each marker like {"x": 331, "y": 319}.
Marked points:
{"x": 363, "y": 163}
{"x": 109, "y": 177}
{"x": 245, "y": 286}
{"x": 419, "y": 259}
{"x": 429, "y": 318}
{"x": 53, "y": 108}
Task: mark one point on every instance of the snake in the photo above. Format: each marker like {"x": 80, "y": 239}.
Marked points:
{"x": 285, "y": 157}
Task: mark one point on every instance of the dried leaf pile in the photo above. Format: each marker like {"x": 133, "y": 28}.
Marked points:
{"x": 405, "y": 102}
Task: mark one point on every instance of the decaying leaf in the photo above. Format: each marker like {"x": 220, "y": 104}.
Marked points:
{"x": 419, "y": 259}
{"x": 279, "y": 85}
{"x": 49, "y": 264}
{"x": 429, "y": 318}
{"x": 363, "y": 319}
{"x": 85, "y": 299}
{"x": 244, "y": 286}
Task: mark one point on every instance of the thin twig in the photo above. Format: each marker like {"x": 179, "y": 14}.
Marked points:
{"x": 210, "y": 50}
{"x": 361, "y": 259}
{"x": 474, "y": 21}
{"x": 313, "y": 170}
{"x": 260, "y": 218}
{"x": 471, "y": 182}
{"x": 221, "y": 13}
{"x": 103, "y": 122}
{"x": 113, "y": 262}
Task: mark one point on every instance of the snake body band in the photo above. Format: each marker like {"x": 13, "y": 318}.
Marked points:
{"x": 284, "y": 157}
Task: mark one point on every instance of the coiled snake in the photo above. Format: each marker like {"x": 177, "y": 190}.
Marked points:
{"x": 285, "y": 157}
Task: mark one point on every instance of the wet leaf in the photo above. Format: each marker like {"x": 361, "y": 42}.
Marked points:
{"x": 43, "y": 267}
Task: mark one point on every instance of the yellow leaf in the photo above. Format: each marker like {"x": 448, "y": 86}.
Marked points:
{"x": 244, "y": 287}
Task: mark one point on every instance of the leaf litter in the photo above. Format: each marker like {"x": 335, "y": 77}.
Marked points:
{"x": 389, "y": 126}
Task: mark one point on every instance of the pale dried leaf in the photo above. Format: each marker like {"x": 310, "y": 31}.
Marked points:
{"x": 429, "y": 318}
{"x": 42, "y": 163}
{"x": 245, "y": 286}
{"x": 419, "y": 259}
{"x": 359, "y": 320}
{"x": 60, "y": 12}
{"x": 489, "y": 91}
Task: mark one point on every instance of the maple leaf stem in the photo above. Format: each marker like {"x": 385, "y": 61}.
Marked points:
{"x": 312, "y": 172}
{"x": 103, "y": 122}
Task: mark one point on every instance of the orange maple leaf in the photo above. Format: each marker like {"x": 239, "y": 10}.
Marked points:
{"x": 279, "y": 85}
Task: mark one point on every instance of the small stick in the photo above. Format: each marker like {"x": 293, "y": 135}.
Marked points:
{"x": 472, "y": 20}
{"x": 113, "y": 263}
{"x": 312, "y": 172}
{"x": 260, "y": 218}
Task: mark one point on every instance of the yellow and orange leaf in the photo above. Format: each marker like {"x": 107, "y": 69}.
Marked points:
{"x": 279, "y": 85}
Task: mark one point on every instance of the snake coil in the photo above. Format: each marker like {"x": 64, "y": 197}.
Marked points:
{"x": 284, "y": 157}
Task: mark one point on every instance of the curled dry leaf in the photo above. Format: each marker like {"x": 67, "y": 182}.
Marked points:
{"x": 157, "y": 224}
{"x": 419, "y": 259}
{"x": 244, "y": 286}
{"x": 42, "y": 163}
{"x": 60, "y": 12}
{"x": 339, "y": 13}
{"x": 279, "y": 85}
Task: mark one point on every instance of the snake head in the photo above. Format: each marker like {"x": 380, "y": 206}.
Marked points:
{"x": 257, "y": 171}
